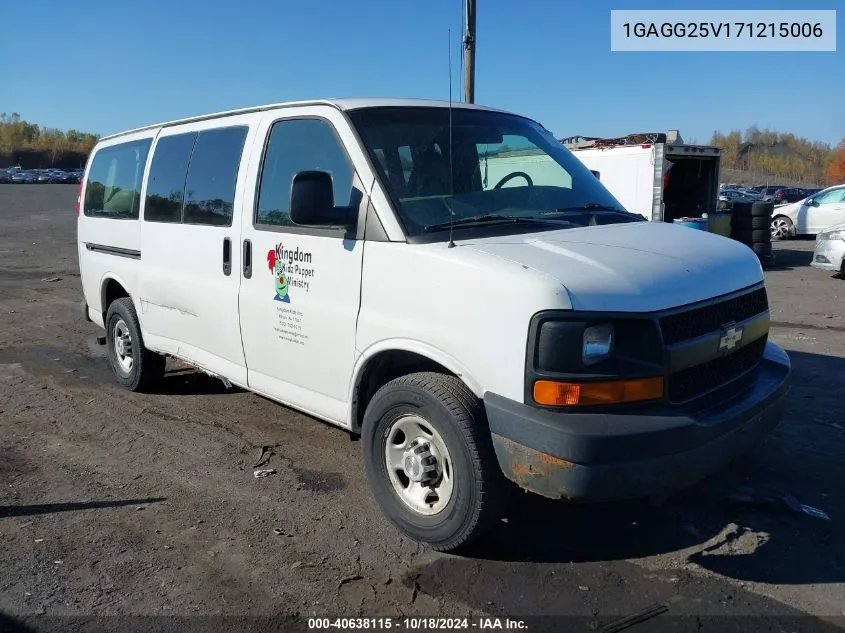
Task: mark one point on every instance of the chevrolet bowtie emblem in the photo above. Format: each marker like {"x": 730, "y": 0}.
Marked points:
{"x": 731, "y": 335}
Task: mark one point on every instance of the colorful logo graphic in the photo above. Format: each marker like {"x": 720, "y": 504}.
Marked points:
{"x": 277, "y": 267}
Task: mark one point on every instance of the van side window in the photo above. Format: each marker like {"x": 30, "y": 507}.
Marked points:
{"x": 114, "y": 180}
{"x": 212, "y": 176}
{"x": 298, "y": 145}
{"x": 166, "y": 182}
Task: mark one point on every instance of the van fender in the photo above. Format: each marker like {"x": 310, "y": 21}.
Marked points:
{"x": 417, "y": 347}
{"x": 112, "y": 276}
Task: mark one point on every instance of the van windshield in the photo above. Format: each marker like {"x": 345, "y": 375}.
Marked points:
{"x": 502, "y": 170}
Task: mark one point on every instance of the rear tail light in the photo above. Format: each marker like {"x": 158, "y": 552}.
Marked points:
{"x": 79, "y": 198}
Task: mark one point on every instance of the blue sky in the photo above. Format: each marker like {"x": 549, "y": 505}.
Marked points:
{"x": 108, "y": 66}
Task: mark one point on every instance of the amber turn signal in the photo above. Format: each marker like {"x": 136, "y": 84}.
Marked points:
{"x": 570, "y": 394}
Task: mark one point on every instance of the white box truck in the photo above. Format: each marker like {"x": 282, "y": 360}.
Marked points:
{"x": 655, "y": 175}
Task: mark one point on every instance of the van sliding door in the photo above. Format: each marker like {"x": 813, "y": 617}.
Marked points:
{"x": 190, "y": 231}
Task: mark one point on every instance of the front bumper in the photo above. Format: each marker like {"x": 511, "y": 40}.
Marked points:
{"x": 828, "y": 255}
{"x": 639, "y": 453}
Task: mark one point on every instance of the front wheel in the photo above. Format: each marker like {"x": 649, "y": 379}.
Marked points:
{"x": 430, "y": 462}
{"x": 782, "y": 228}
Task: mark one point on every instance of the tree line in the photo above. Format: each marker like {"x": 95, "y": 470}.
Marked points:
{"x": 32, "y": 146}
{"x": 836, "y": 169}
{"x": 782, "y": 155}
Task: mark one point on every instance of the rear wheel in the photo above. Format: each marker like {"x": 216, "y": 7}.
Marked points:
{"x": 134, "y": 366}
{"x": 430, "y": 462}
{"x": 782, "y": 228}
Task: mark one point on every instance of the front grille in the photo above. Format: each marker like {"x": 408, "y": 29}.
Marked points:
{"x": 698, "y": 321}
{"x": 691, "y": 382}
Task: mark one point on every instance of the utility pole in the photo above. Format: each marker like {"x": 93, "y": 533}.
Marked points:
{"x": 469, "y": 54}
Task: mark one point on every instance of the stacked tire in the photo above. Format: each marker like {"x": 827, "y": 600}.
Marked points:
{"x": 751, "y": 225}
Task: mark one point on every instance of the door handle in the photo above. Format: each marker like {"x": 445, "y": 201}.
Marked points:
{"x": 247, "y": 259}
{"x": 227, "y": 256}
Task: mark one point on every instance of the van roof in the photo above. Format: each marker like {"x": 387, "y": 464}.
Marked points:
{"x": 340, "y": 104}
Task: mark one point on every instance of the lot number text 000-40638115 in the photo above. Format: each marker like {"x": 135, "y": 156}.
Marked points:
{"x": 419, "y": 624}
{"x": 730, "y": 30}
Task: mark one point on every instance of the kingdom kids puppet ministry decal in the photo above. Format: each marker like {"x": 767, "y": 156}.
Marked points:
{"x": 291, "y": 270}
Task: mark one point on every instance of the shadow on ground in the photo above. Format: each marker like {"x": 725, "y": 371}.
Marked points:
{"x": 51, "y": 508}
{"x": 787, "y": 258}
{"x": 8, "y": 624}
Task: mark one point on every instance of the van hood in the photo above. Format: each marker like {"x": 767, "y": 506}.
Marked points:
{"x": 638, "y": 267}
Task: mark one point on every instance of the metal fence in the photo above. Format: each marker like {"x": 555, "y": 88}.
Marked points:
{"x": 753, "y": 178}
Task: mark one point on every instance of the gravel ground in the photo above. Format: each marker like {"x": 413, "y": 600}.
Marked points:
{"x": 114, "y": 504}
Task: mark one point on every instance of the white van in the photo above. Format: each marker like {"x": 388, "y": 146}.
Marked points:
{"x": 355, "y": 260}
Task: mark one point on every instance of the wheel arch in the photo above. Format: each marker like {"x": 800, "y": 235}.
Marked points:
{"x": 382, "y": 362}
{"x": 112, "y": 287}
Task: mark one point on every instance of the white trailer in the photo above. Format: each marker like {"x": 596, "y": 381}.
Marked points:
{"x": 656, "y": 175}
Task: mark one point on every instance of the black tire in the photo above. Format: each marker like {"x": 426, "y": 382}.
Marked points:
{"x": 762, "y": 248}
{"x": 750, "y": 236}
{"x": 762, "y": 209}
{"x": 753, "y": 209}
{"x": 147, "y": 366}
{"x": 480, "y": 490}
{"x": 741, "y": 208}
{"x": 740, "y": 222}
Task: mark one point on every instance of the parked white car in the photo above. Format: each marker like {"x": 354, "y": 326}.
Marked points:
{"x": 829, "y": 253}
{"x": 810, "y": 216}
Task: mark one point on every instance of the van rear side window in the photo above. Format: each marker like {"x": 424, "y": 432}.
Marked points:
{"x": 193, "y": 177}
{"x": 166, "y": 183}
{"x": 113, "y": 189}
{"x": 213, "y": 175}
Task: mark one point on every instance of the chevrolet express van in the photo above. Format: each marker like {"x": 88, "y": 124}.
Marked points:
{"x": 425, "y": 277}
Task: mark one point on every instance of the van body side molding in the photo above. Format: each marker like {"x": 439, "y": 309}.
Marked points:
{"x": 113, "y": 250}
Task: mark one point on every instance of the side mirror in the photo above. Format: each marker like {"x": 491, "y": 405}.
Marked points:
{"x": 810, "y": 202}
{"x": 312, "y": 201}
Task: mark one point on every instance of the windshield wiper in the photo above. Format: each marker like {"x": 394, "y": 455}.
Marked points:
{"x": 491, "y": 218}
{"x": 589, "y": 206}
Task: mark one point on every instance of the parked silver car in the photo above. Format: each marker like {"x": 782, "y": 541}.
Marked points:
{"x": 829, "y": 253}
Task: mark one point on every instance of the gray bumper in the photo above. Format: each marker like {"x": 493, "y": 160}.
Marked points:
{"x": 638, "y": 453}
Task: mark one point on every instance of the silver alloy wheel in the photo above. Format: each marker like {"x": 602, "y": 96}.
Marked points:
{"x": 780, "y": 228}
{"x": 123, "y": 345}
{"x": 418, "y": 465}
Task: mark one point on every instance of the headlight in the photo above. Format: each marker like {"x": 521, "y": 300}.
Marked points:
{"x": 833, "y": 235}
{"x": 598, "y": 344}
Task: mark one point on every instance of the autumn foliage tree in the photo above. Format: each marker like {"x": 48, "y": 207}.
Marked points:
{"x": 29, "y": 145}
{"x": 778, "y": 154}
{"x": 836, "y": 168}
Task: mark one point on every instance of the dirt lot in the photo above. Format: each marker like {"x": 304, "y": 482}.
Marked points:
{"x": 114, "y": 504}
